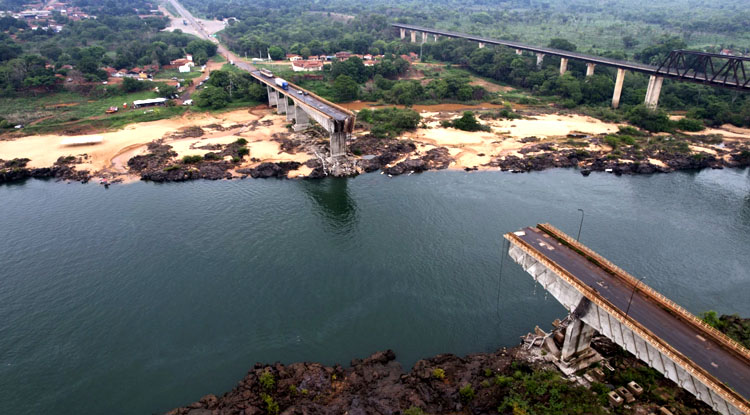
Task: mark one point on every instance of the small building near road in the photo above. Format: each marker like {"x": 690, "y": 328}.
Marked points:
{"x": 149, "y": 102}
{"x": 307, "y": 66}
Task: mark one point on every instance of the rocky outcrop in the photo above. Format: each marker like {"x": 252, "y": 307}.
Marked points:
{"x": 63, "y": 169}
{"x": 375, "y": 385}
{"x": 278, "y": 170}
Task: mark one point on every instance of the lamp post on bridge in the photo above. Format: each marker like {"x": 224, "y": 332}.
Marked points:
{"x": 632, "y": 294}
{"x": 580, "y": 226}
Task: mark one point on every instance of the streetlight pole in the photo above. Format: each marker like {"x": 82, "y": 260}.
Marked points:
{"x": 632, "y": 294}
{"x": 580, "y": 226}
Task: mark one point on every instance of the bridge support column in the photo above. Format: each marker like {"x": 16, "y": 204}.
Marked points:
{"x": 424, "y": 37}
{"x": 403, "y": 33}
{"x": 481, "y": 45}
{"x": 436, "y": 36}
{"x": 413, "y": 36}
{"x": 577, "y": 339}
{"x": 618, "y": 87}
{"x": 590, "y": 69}
{"x": 653, "y": 91}
{"x": 519, "y": 52}
{"x": 539, "y": 60}
{"x": 281, "y": 106}
{"x": 273, "y": 96}
{"x": 290, "y": 110}
{"x": 301, "y": 119}
{"x": 563, "y": 65}
{"x": 338, "y": 144}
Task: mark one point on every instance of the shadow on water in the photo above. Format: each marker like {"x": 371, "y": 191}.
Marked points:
{"x": 333, "y": 202}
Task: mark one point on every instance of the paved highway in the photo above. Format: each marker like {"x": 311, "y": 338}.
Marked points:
{"x": 319, "y": 104}
{"x": 726, "y": 366}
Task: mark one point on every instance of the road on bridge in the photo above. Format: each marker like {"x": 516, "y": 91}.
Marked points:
{"x": 724, "y": 365}
{"x": 298, "y": 93}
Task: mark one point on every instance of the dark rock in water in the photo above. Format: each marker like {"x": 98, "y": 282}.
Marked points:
{"x": 438, "y": 158}
{"x": 585, "y": 172}
{"x": 407, "y": 166}
{"x": 279, "y": 170}
{"x": 16, "y": 170}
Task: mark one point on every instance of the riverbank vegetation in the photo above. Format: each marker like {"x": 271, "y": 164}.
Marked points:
{"x": 645, "y": 33}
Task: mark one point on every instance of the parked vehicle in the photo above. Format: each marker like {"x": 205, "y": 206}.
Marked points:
{"x": 282, "y": 83}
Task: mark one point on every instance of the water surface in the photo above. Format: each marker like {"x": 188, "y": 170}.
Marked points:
{"x": 144, "y": 297}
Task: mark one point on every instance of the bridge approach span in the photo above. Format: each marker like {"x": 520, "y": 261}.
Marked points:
{"x": 338, "y": 121}
{"x": 605, "y": 298}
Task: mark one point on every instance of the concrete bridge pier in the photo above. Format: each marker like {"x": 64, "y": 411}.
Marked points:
{"x": 590, "y": 68}
{"x": 539, "y": 60}
{"x": 273, "y": 96}
{"x": 301, "y": 119}
{"x": 481, "y": 45}
{"x": 290, "y": 111}
{"x": 577, "y": 339}
{"x": 403, "y": 33}
{"x": 653, "y": 91}
{"x": 519, "y": 52}
{"x": 436, "y": 36}
{"x": 338, "y": 143}
{"x": 563, "y": 65}
{"x": 282, "y": 103}
{"x": 413, "y": 36}
{"x": 618, "y": 87}
{"x": 424, "y": 37}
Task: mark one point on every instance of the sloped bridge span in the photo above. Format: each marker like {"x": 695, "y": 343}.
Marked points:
{"x": 603, "y": 297}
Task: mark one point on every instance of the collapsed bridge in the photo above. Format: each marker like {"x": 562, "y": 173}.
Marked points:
{"x": 602, "y": 297}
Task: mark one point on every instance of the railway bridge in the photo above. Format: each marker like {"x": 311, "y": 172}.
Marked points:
{"x": 602, "y": 297}
{"x": 689, "y": 66}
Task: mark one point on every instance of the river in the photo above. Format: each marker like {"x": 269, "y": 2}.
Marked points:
{"x": 143, "y": 297}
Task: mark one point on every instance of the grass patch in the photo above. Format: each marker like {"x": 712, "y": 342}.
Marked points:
{"x": 175, "y": 73}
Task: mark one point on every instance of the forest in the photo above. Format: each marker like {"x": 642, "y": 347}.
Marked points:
{"x": 624, "y": 29}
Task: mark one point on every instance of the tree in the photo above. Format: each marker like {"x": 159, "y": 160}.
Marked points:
{"x": 276, "y": 53}
{"x": 562, "y": 44}
{"x": 212, "y": 97}
{"x": 651, "y": 120}
{"x": 167, "y": 91}
{"x": 345, "y": 88}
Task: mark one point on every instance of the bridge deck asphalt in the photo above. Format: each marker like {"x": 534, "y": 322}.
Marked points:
{"x": 726, "y": 366}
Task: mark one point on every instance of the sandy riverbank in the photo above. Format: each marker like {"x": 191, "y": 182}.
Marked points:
{"x": 257, "y": 126}
{"x": 265, "y": 132}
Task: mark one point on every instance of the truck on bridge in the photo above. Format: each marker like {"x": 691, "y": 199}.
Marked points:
{"x": 282, "y": 83}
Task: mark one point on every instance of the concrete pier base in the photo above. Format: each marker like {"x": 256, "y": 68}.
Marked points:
{"x": 481, "y": 45}
{"x": 281, "y": 105}
{"x": 519, "y": 52}
{"x": 563, "y": 66}
{"x": 539, "y": 60}
{"x": 436, "y": 37}
{"x": 413, "y": 36}
{"x": 424, "y": 37}
{"x": 618, "y": 87}
{"x": 338, "y": 144}
{"x": 301, "y": 119}
{"x": 653, "y": 91}
{"x": 273, "y": 96}
{"x": 577, "y": 339}
{"x": 290, "y": 111}
{"x": 590, "y": 69}
{"x": 403, "y": 33}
